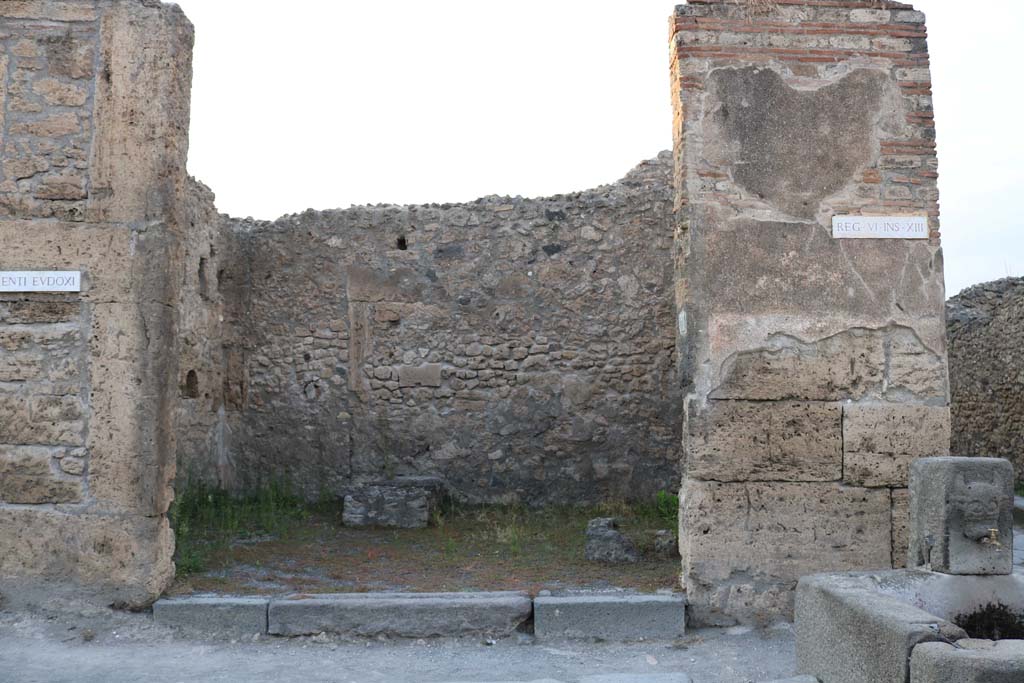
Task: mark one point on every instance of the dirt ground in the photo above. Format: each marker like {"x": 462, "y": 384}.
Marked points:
{"x": 483, "y": 549}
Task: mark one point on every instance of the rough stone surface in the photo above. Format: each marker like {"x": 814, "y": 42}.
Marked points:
{"x": 214, "y": 616}
{"x": 968, "y": 661}
{"x": 404, "y": 615}
{"x": 761, "y": 441}
{"x": 605, "y": 543}
{"x": 808, "y": 362}
{"x": 609, "y": 617}
{"x": 407, "y": 504}
{"x": 95, "y": 107}
{"x": 847, "y": 631}
{"x": 880, "y": 441}
{"x": 986, "y": 371}
{"x": 520, "y": 349}
{"x": 957, "y": 505}
{"x": 745, "y": 545}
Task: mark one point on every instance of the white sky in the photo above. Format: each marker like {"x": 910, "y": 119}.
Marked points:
{"x": 327, "y": 103}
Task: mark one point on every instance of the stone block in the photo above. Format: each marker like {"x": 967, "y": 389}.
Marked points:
{"x": 605, "y": 543}
{"x": 609, "y": 616}
{"x": 870, "y": 16}
{"x": 880, "y": 440}
{"x": 28, "y": 476}
{"x": 961, "y": 515}
{"x": 839, "y": 367}
{"x": 213, "y": 616}
{"x": 427, "y": 375}
{"x": 900, "y": 527}
{"x": 31, "y": 312}
{"x": 796, "y": 679}
{"x": 637, "y": 678}
{"x": 403, "y": 615}
{"x": 848, "y": 632}
{"x": 406, "y": 503}
{"x": 44, "y": 420}
{"x": 745, "y": 545}
{"x": 765, "y": 441}
{"x": 109, "y": 558}
{"x": 968, "y": 661}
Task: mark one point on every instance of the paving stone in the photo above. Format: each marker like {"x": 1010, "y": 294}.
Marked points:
{"x": 609, "y": 616}
{"x": 213, "y": 615}
{"x": 403, "y": 615}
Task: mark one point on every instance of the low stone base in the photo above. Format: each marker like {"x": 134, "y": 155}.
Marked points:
{"x": 401, "y": 615}
{"x": 403, "y": 503}
{"x": 214, "y": 616}
{"x": 610, "y": 617}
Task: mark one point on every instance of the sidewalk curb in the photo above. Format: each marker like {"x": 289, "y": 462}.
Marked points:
{"x": 604, "y": 616}
{"x": 214, "y": 615}
{"x": 610, "y": 616}
{"x": 401, "y": 615}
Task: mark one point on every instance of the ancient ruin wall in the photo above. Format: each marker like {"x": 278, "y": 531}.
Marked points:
{"x": 94, "y": 104}
{"x": 521, "y": 350}
{"x": 815, "y": 367}
{"x": 986, "y": 370}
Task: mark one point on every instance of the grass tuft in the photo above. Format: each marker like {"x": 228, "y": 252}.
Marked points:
{"x": 205, "y": 519}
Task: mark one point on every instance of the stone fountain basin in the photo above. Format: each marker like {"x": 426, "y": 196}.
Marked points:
{"x": 898, "y": 627}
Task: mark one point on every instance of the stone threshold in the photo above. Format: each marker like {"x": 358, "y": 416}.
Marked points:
{"x": 604, "y": 615}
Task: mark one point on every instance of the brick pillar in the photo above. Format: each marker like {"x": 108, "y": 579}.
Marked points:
{"x": 815, "y": 365}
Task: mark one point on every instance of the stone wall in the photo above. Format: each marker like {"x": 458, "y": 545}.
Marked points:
{"x": 94, "y": 102}
{"x": 986, "y": 370}
{"x": 815, "y": 367}
{"x": 522, "y": 350}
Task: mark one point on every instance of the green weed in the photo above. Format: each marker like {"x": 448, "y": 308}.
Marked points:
{"x": 205, "y": 518}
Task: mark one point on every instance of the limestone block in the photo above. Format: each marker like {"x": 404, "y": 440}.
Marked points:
{"x": 43, "y": 9}
{"x": 404, "y": 615}
{"x": 961, "y": 515}
{"x": 31, "y": 312}
{"x": 113, "y": 558}
{"x": 44, "y": 420}
{"x": 900, "y": 527}
{"x": 880, "y": 440}
{"x": 968, "y": 661}
{"x": 21, "y": 367}
{"x": 145, "y": 56}
{"x": 427, "y": 375}
{"x": 849, "y": 632}
{"x": 744, "y": 545}
{"x": 765, "y": 441}
{"x": 28, "y": 476}
{"x": 130, "y": 438}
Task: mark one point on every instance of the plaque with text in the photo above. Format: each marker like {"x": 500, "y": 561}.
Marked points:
{"x": 40, "y": 281}
{"x": 880, "y": 227}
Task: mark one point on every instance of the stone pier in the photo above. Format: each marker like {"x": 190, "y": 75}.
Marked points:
{"x": 814, "y": 364}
